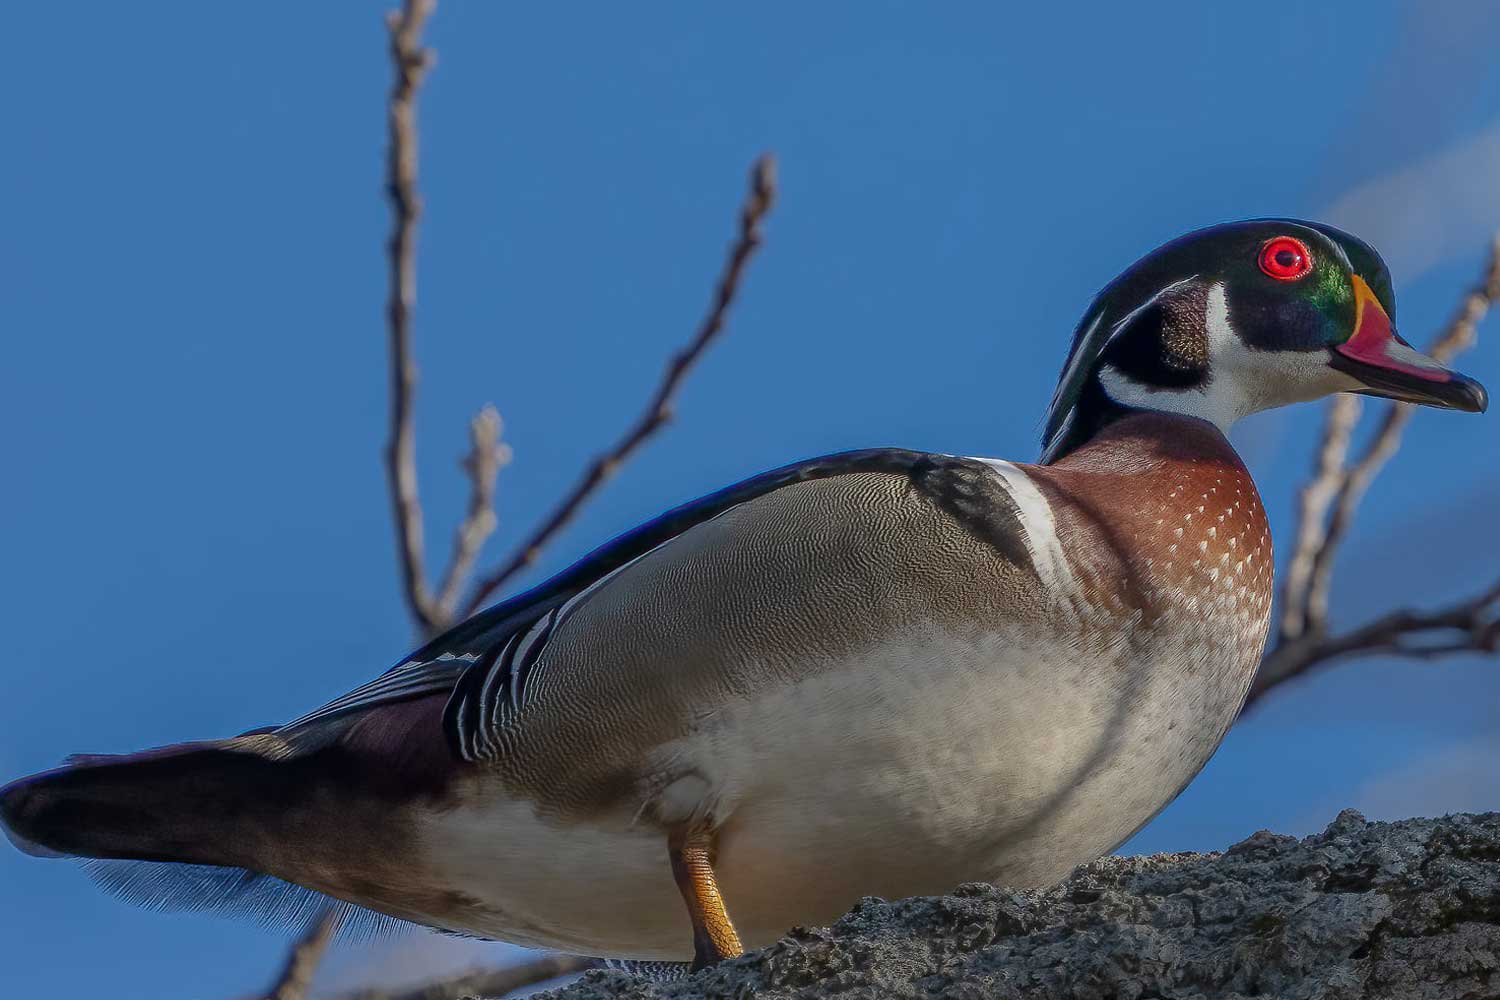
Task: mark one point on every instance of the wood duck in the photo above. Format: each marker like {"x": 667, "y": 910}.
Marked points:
{"x": 882, "y": 672}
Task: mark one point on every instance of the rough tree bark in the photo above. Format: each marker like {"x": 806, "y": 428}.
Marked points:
{"x": 1406, "y": 911}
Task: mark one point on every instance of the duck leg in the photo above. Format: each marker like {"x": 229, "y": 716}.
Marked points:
{"x": 714, "y": 936}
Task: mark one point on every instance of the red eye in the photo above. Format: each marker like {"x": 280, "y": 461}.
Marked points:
{"x": 1285, "y": 258}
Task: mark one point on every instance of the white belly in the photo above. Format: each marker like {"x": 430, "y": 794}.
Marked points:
{"x": 905, "y": 772}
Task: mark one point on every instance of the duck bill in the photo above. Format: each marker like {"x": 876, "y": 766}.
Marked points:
{"x": 1385, "y": 365}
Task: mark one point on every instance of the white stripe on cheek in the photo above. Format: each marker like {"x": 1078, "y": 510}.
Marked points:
{"x": 1221, "y": 335}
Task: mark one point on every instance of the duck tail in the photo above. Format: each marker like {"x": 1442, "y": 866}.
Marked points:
{"x": 201, "y": 803}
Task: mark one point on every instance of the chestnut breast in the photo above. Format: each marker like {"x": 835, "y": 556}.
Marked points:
{"x": 1162, "y": 521}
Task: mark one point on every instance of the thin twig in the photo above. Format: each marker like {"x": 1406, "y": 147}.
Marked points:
{"x": 1470, "y": 626}
{"x": 1312, "y": 515}
{"x": 410, "y": 62}
{"x": 303, "y": 959}
{"x": 486, "y": 456}
{"x": 659, "y": 410}
{"x": 486, "y": 983}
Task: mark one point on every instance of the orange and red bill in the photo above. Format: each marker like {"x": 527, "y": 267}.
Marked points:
{"x": 1385, "y": 365}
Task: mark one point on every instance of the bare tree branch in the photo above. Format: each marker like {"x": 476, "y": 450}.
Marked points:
{"x": 487, "y": 982}
{"x": 659, "y": 410}
{"x": 434, "y": 613}
{"x": 1337, "y": 484}
{"x": 307, "y": 953}
{"x": 486, "y": 456}
{"x": 1469, "y": 626}
{"x": 411, "y": 62}
{"x": 1312, "y": 516}
{"x": 303, "y": 959}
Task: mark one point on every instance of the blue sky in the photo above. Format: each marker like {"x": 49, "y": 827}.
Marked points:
{"x": 194, "y": 394}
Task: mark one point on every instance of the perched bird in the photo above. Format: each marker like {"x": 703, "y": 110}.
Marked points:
{"x": 881, "y": 672}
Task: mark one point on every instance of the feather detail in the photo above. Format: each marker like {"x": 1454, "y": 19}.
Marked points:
{"x": 1095, "y": 333}
{"x": 232, "y": 892}
{"x": 496, "y": 687}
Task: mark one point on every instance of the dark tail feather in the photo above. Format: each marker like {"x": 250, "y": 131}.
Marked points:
{"x": 198, "y": 803}
{"x": 176, "y": 828}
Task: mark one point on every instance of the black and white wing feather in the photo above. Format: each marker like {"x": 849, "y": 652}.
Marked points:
{"x": 498, "y": 683}
{"x": 486, "y": 664}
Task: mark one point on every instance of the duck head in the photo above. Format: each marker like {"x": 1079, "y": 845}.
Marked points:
{"x": 1237, "y": 318}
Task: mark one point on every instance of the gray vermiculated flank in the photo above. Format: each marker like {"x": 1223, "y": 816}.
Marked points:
{"x": 763, "y": 571}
